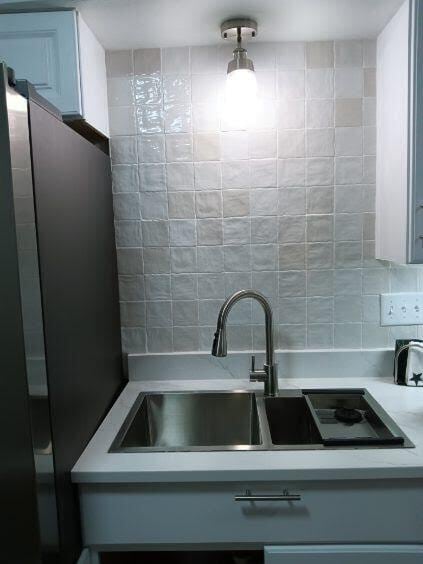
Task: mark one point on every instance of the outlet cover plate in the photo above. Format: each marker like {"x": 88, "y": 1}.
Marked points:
{"x": 401, "y": 309}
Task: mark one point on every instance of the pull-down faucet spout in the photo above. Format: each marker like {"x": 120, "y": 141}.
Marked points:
{"x": 268, "y": 374}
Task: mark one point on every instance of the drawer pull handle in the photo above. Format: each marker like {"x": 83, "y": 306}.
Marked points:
{"x": 284, "y": 496}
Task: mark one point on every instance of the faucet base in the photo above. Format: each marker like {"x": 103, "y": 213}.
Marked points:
{"x": 271, "y": 386}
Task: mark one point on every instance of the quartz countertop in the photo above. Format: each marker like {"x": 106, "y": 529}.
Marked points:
{"x": 403, "y": 404}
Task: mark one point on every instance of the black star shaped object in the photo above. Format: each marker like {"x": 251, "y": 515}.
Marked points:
{"x": 416, "y": 378}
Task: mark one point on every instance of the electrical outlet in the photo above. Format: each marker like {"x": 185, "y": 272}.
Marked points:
{"x": 401, "y": 309}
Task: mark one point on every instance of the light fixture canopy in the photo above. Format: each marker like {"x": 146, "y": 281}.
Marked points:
{"x": 244, "y": 27}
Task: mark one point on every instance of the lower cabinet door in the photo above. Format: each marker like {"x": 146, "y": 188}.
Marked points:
{"x": 344, "y": 554}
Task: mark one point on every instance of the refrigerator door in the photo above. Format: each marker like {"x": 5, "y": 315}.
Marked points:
{"x": 33, "y": 326}
{"x": 19, "y": 482}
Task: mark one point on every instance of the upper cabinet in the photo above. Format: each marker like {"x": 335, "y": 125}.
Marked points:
{"x": 59, "y": 54}
{"x": 399, "y": 174}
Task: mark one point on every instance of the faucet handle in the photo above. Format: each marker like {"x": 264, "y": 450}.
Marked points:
{"x": 256, "y": 375}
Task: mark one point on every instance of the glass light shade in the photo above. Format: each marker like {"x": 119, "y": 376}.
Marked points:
{"x": 241, "y": 95}
{"x": 241, "y": 86}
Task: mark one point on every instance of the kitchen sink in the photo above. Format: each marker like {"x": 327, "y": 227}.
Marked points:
{"x": 189, "y": 421}
{"x": 241, "y": 420}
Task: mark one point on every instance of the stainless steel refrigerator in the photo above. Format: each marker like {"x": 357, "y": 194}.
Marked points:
{"x": 60, "y": 361}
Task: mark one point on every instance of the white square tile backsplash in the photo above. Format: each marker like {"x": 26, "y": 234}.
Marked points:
{"x": 283, "y": 203}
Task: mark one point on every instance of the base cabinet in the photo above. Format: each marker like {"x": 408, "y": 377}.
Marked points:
{"x": 135, "y": 516}
{"x": 344, "y": 554}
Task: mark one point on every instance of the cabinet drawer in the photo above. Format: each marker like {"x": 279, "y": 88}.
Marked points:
{"x": 353, "y": 512}
{"x": 344, "y": 554}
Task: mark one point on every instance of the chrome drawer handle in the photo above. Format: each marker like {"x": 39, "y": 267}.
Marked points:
{"x": 284, "y": 496}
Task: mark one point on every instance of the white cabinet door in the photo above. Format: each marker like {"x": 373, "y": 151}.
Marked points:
{"x": 43, "y": 48}
{"x": 416, "y": 141}
{"x": 399, "y": 174}
{"x": 344, "y": 554}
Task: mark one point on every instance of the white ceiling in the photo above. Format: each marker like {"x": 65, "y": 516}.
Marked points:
{"x": 121, "y": 24}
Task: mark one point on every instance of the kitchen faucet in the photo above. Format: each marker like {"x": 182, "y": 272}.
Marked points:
{"x": 269, "y": 373}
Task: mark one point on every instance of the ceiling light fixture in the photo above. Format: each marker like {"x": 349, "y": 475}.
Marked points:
{"x": 241, "y": 84}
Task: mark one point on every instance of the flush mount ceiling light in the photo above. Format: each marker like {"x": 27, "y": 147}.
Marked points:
{"x": 241, "y": 85}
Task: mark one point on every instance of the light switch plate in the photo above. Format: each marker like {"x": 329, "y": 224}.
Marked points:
{"x": 401, "y": 309}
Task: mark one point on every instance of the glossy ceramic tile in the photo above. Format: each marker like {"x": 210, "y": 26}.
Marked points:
{"x": 281, "y": 199}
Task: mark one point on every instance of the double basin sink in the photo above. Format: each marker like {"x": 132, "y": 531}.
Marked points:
{"x": 221, "y": 421}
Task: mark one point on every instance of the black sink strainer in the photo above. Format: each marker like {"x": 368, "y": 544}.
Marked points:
{"x": 348, "y": 415}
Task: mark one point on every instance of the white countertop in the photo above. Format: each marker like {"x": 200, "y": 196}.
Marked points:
{"x": 403, "y": 404}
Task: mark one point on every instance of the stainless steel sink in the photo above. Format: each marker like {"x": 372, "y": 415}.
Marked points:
{"x": 219, "y": 421}
{"x": 191, "y": 421}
